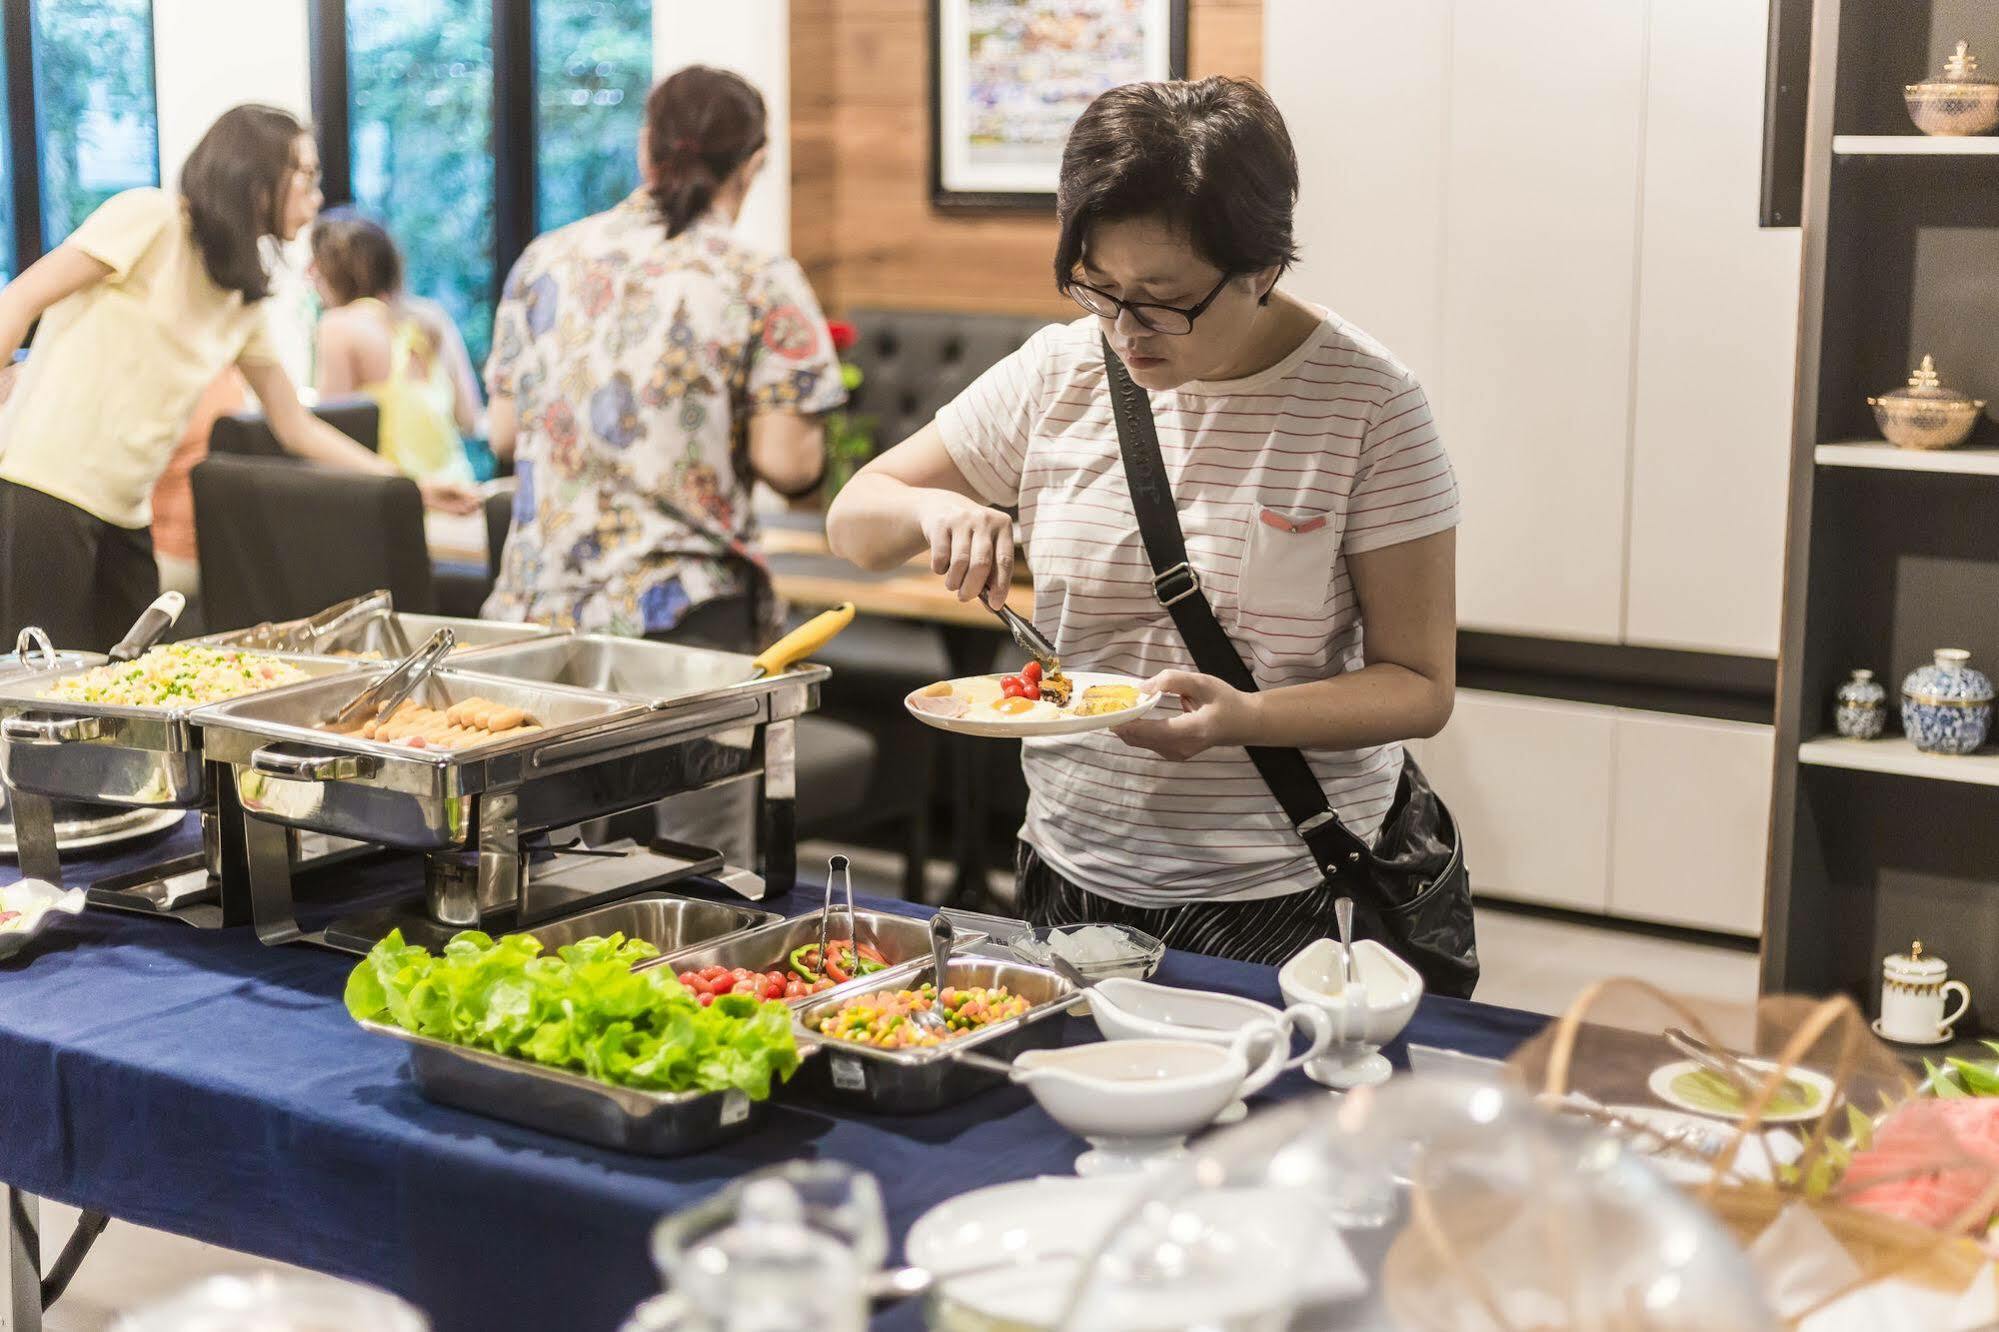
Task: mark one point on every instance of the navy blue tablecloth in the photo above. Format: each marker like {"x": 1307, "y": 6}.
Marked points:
{"x": 201, "y": 1083}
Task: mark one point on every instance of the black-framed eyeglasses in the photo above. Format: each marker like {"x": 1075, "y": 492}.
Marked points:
{"x": 1172, "y": 320}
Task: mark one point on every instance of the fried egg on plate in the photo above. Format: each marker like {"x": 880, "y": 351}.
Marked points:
{"x": 1026, "y": 709}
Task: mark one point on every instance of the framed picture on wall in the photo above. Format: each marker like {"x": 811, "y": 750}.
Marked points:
{"x": 1009, "y": 77}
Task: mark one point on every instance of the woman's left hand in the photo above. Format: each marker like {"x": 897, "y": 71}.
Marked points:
{"x": 1213, "y": 712}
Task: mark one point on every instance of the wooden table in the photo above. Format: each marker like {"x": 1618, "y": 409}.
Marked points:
{"x": 807, "y": 574}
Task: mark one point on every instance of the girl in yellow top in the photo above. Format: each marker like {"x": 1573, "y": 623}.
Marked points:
{"x": 404, "y": 353}
{"x": 141, "y": 308}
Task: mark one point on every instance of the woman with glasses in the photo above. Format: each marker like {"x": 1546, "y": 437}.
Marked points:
{"x": 140, "y": 309}
{"x": 1315, "y": 500}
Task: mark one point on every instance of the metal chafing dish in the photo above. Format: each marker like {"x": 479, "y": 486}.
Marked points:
{"x": 573, "y": 1106}
{"x": 74, "y": 820}
{"x": 477, "y": 813}
{"x": 900, "y": 939}
{"x": 917, "y": 1080}
{"x": 372, "y": 626}
{"x": 134, "y": 757}
{"x": 666, "y": 922}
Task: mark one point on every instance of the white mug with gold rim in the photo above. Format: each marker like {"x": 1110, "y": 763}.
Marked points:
{"x": 1913, "y": 986}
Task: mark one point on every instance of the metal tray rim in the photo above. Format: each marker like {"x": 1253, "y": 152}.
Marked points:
{"x": 651, "y": 1100}
{"x": 935, "y": 1054}
{"x": 237, "y": 714}
{"x": 963, "y": 943}
{"x": 804, "y": 673}
{"x": 14, "y": 701}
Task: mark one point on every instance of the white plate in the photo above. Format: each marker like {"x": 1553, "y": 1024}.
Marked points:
{"x": 1752, "y": 1162}
{"x": 993, "y": 726}
{"x": 1944, "y": 1037}
{"x": 1052, "y": 1224}
{"x": 127, "y": 827}
{"x": 1661, "y": 1086}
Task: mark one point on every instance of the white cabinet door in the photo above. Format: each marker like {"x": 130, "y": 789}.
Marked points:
{"x": 1364, "y": 91}
{"x": 1691, "y": 824}
{"x": 1540, "y": 262}
{"x": 1530, "y": 783}
{"x": 1717, "y": 341}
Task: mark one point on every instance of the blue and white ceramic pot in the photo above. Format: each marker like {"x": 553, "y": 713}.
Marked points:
{"x": 1862, "y": 707}
{"x": 1947, "y": 706}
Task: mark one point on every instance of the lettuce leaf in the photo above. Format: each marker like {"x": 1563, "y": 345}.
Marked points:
{"x": 583, "y": 1009}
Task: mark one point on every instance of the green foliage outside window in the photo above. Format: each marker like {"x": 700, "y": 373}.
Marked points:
{"x": 94, "y": 107}
{"x": 421, "y": 121}
{"x": 593, "y": 66}
{"x": 420, "y": 124}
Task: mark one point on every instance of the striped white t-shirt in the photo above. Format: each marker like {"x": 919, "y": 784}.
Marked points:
{"x": 1278, "y": 478}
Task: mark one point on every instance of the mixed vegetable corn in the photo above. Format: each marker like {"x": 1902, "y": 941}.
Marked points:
{"x": 883, "y": 1019}
{"x": 184, "y": 674}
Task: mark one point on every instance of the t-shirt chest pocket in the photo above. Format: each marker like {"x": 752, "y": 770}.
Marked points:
{"x": 1287, "y": 561}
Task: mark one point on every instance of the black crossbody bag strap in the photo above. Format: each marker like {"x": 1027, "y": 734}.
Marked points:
{"x": 1340, "y": 855}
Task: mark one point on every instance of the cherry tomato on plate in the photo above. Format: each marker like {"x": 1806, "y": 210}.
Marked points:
{"x": 1031, "y": 673}
{"x": 1012, "y": 687}
{"x": 1031, "y": 692}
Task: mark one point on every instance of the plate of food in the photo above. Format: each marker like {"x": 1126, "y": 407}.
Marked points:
{"x": 1031, "y": 703}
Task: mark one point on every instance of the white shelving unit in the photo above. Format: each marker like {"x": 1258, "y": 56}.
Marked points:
{"x": 1878, "y": 453}
{"x": 1897, "y": 757}
{"x": 1914, "y": 145}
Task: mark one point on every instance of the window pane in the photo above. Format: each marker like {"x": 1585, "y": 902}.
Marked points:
{"x": 420, "y": 75}
{"x": 593, "y": 64}
{"x": 6, "y": 184}
{"x": 94, "y": 106}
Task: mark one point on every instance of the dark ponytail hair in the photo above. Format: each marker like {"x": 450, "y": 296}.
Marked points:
{"x": 235, "y": 183}
{"x": 701, "y": 124}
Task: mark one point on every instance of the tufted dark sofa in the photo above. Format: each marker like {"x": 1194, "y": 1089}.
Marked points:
{"x": 912, "y": 363}
{"x": 915, "y": 361}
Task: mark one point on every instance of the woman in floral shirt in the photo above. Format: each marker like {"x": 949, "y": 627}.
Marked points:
{"x": 647, "y": 369}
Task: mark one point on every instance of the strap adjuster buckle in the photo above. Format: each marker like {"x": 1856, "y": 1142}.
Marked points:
{"x": 1176, "y": 584}
{"x": 1313, "y": 824}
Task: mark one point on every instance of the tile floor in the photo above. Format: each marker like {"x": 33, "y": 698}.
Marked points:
{"x": 1529, "y": 962}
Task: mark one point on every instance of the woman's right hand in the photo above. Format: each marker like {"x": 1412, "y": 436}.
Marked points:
{"x": 970, "y": 544}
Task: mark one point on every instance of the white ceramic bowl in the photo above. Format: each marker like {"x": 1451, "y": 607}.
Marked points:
{"x": 1136, "y": 1101}
{"x": 1136, "y": 1010}
{"x": 1383, "y": 1001}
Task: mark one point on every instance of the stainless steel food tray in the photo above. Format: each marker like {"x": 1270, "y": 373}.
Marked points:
{"x": 665, "y": 921}
{"x": 901, "y": 939}
{"x": 376, "y": 633}
{"x": 664, "y": 673}
{"x": 290, "y": 772}
{"x": 914, "y": 1081}
{"x": 148, "y": 757}
{"x": 570, "y": 1105}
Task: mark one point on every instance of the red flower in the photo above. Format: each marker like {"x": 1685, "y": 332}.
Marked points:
{"x": 844, "y": 336}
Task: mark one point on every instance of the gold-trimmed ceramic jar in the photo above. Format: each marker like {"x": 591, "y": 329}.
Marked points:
{"x": 1925, "y": 414}
{"x": 1957, "y": 104}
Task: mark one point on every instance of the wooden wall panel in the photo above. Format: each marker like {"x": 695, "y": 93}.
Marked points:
{"x": 861, "y": 222}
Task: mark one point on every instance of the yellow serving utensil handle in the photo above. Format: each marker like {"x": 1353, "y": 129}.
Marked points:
{"x": 805, "y": 640}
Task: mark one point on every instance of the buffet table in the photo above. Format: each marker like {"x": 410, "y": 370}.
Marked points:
{"x": 199, "y": 1082}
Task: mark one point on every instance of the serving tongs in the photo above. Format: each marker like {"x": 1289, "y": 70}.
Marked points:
{"x": 839, "y": 869}
{"x": 337, "y": 619}
{"x": 1729, "y": 1068}
{"x": 383, "y": 697}
{"x": 1031, "y": 640}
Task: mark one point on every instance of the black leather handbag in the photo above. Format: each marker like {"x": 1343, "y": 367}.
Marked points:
{"x": 1410, "y": 889}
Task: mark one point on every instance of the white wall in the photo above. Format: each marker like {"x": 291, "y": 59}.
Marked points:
{"x": 753, "y": 38}
{"x": 210, "y": 55}
{"x": 1548, "y": 209}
